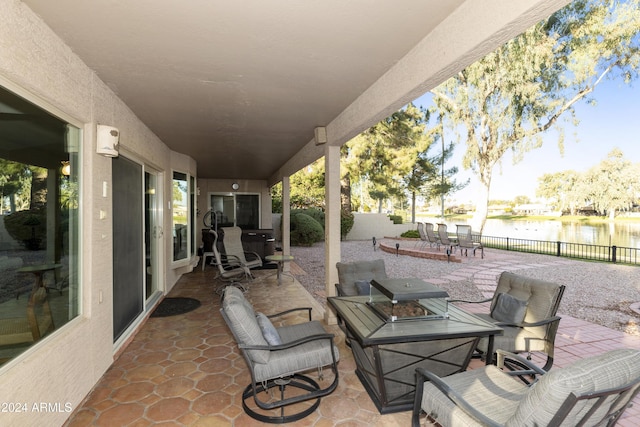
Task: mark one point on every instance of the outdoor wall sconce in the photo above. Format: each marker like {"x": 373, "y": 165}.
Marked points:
{"x": 107, "y": 140}
{"x": 66, "y": 168}
{"x": 235, "y": 186}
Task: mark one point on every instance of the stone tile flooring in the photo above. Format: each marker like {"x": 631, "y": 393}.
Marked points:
{"x": 186, "y": 370}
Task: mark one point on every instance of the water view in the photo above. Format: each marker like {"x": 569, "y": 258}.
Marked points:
{"x": 622, "y": 234}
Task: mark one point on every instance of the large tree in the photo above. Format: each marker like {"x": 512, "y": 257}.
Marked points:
{"x": 561, "y": 188}
{"x": 613, "y": 184}
{"x": 391, "y": 156}
{"x": 508, "y": 99}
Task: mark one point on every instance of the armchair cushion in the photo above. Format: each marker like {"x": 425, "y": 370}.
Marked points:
{"x": 269, "y": 331}
{"x": 509, "y": 309}
{"x": 350, "y": 272}
{"x": 610, "y": 370}
{"x": 244, "y": 323}
{"x": 310, "y": 355}
{"x": 488, "y": 388}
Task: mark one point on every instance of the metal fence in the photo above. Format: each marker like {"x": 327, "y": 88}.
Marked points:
{"x": 615, "y": 254}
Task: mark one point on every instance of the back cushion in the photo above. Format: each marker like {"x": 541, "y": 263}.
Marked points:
{"x": 350, "y": 272}
{"x": 613, "y": 369}
{"x": 243, "y": 322}
{"x": 539, "y": 294}
{"x": 509, "y": 309}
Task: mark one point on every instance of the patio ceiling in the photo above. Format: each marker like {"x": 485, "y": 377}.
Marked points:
{"x": 241, "y": 85}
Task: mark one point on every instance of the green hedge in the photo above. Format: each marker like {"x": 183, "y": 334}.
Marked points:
{"x": 305, "y": 230}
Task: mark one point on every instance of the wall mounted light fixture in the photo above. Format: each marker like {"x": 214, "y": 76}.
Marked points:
{"x": 107, "y": 140}
{"x": 235, "y": 186}
{"x": 66, "y": 168}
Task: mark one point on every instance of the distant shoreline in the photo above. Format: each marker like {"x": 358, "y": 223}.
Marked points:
{"x": 565, "y": 218}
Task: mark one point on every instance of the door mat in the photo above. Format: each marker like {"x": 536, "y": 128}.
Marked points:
{"x": 175, "y": 306}
{"x": 267, "y": 266}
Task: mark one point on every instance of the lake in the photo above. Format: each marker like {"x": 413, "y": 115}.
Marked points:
{"x": 623, "y": 234}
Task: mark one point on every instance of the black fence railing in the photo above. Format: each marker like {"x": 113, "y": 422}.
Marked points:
{"x": 615, "y": 254}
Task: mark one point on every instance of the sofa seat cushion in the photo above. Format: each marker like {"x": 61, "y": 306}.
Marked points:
{"x": 303, "y": 357}
{"x": 487, "y": 389}
{"x": 513, "y": 338}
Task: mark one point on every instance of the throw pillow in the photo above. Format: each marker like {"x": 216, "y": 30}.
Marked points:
{"x": 509, "y": 309}
{"x": 269, "y": 331}
{"x": 363, "y": 287}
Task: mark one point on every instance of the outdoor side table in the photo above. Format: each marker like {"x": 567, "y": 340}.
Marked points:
{"x": 280, "y": 260}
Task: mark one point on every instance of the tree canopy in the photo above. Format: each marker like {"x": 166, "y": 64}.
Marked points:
{"x": 608, "y": 187}
{"x": 507, "y": 100}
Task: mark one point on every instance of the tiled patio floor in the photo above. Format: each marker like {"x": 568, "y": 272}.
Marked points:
{"x": 186, "y": 371}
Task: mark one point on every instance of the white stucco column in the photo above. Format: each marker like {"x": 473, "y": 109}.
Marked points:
{"x": 286, "y": 220}
{"x": 331, "y": 223}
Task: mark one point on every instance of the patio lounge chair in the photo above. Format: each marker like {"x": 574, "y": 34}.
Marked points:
{"x": 232, "y": 242}
{"x": 443, "y": 236}
{"x": 230, "y": 268}
{"x": 466, "y": 240}
{"x": 431, "y": 235}
{"x": 427, "y": 235}
{"x": 592, "y": 391}
{"x": 525, "y": 309}
{"x": 277, "y": 357}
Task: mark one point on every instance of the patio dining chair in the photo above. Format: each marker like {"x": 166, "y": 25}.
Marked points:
{"x": 594, "y": 391}
{"x": 466, "y": 240}
{"x": 279, "y": 358}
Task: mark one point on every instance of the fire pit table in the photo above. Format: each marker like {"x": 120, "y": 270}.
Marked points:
{"x": 404, "y": 324}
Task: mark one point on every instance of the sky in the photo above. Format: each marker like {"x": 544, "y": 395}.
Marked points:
{"x": 613, "y": 122}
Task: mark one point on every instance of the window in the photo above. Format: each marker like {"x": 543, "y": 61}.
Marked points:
{"x": 39, "y": 224}
{"x": 180, "y": 208}
{"x": 184, "y": 216}
{"x": 242, "y": 210}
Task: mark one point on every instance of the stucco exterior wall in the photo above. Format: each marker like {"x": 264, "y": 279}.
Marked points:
{"x": 366, "y": 226}
{"x": 37, "y": 65}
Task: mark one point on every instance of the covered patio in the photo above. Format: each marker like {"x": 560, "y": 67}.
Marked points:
{"x": 186, "y": 369}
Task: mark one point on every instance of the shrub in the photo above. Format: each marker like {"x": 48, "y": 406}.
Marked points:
{"x": 411, "y": 234}
{"x": 314, "y": 213}
{"x": 305, "y": 231}
{"x": 346, "y": 223}
{"x": 28, "y": 227}
{"x": 397, "y": 219}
